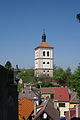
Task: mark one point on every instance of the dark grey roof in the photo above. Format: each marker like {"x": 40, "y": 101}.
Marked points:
{"x": 29, "y": 93}
{"x": 49, "y": 109}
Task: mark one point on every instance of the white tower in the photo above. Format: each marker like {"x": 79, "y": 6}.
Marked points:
{"x": 44, "y": 58}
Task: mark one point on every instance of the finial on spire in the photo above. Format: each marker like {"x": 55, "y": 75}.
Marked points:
{"x": 44, "y": 36}
{"x": 44, "y": 30}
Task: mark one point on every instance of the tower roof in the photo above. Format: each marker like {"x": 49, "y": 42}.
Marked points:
{"x": 43, "y": 45}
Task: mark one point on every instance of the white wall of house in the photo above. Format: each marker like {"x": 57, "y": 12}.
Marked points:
{"x": 63, "y": 109}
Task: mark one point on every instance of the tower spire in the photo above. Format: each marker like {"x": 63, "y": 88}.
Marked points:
{"x": 43, "y": 36}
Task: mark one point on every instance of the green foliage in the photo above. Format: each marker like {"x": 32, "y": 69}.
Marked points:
{"x": 27, "y": 75}
{"x": 20, "y": 87}
{"x": 68, "y": 76}
{"x": 8, "y": 65}
{"x": 45, "y": 80}
{"x": 59, "y": 76}
{"x": 62, "y": 76}
{"x": 75, "y": 82}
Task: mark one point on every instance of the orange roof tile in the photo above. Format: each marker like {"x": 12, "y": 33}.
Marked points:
{"x": 25, "y": 108}
{"x": 44, "y": 44}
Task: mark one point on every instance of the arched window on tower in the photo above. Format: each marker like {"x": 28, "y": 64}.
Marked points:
{"x": 47, "y": 62}
{"x": 48, "y": 53}
{"x": 43, "y": 53}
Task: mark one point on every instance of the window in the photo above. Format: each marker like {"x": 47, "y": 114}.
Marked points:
{"x": 43, "y": 53}
{"x": 47, "y": 62}
{"x": 48, "y": 53}
{"x": 43, "y": 62}
{"x": 61, "y": 104}
{"x": 47, "y": 70}
{"x": 44, "y": 71}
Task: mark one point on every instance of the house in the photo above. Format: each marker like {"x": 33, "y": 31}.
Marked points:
{"x": 46, "y": 111}
{"x": 73, "y": 113}
{"x": 74, "y": 100}
{"x": 60, "y": 97}
{"x": 25, "y": 109}
{"x": 46, "y": 92}
{"x": 30, "y": 94}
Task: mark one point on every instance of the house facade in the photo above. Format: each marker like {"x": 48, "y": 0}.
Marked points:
{"x": 60, "y": 97}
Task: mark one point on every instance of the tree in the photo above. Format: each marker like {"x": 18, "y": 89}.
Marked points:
{"x": 8, "y": 65}
{"x": 78, "y": 17}
{"x": 59, "y": 76}
{"x": 45, "y": 81}
{"x": 27, "y": 75}
{"x": 68, "y": 76}
{"x": 75, "y": 83}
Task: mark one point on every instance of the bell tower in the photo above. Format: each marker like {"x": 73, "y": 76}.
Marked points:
{"x": 44, "y": 58}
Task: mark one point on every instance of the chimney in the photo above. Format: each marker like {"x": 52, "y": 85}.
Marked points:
{"x": 35, "y": 109}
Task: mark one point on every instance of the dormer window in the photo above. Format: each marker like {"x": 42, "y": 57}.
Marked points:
{"x": 43, "y": 53}
{"x": 48, "y": 53}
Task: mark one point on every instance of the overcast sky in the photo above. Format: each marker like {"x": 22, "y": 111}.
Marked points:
{"x": 21, "y": 27}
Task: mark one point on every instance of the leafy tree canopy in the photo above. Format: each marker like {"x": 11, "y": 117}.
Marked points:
{"x": 75, "y": 82}
{"x": 8, "y": 65}
{"x": 62, "y": 76}
{"x": 27, "y": 75}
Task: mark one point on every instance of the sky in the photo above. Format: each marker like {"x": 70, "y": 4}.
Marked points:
{"x": 21, "y": 27}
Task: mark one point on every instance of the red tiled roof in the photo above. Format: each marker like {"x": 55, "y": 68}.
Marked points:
{"x": 25, "y": 108}
{"x": 61, "y": 94}
{"x": 44, "y": 44}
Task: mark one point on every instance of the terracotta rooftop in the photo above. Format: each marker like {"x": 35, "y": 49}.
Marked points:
{"x": 60, "y": 93}
{"x": 44, "y": 44}
{"x": 25, "y": 108}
